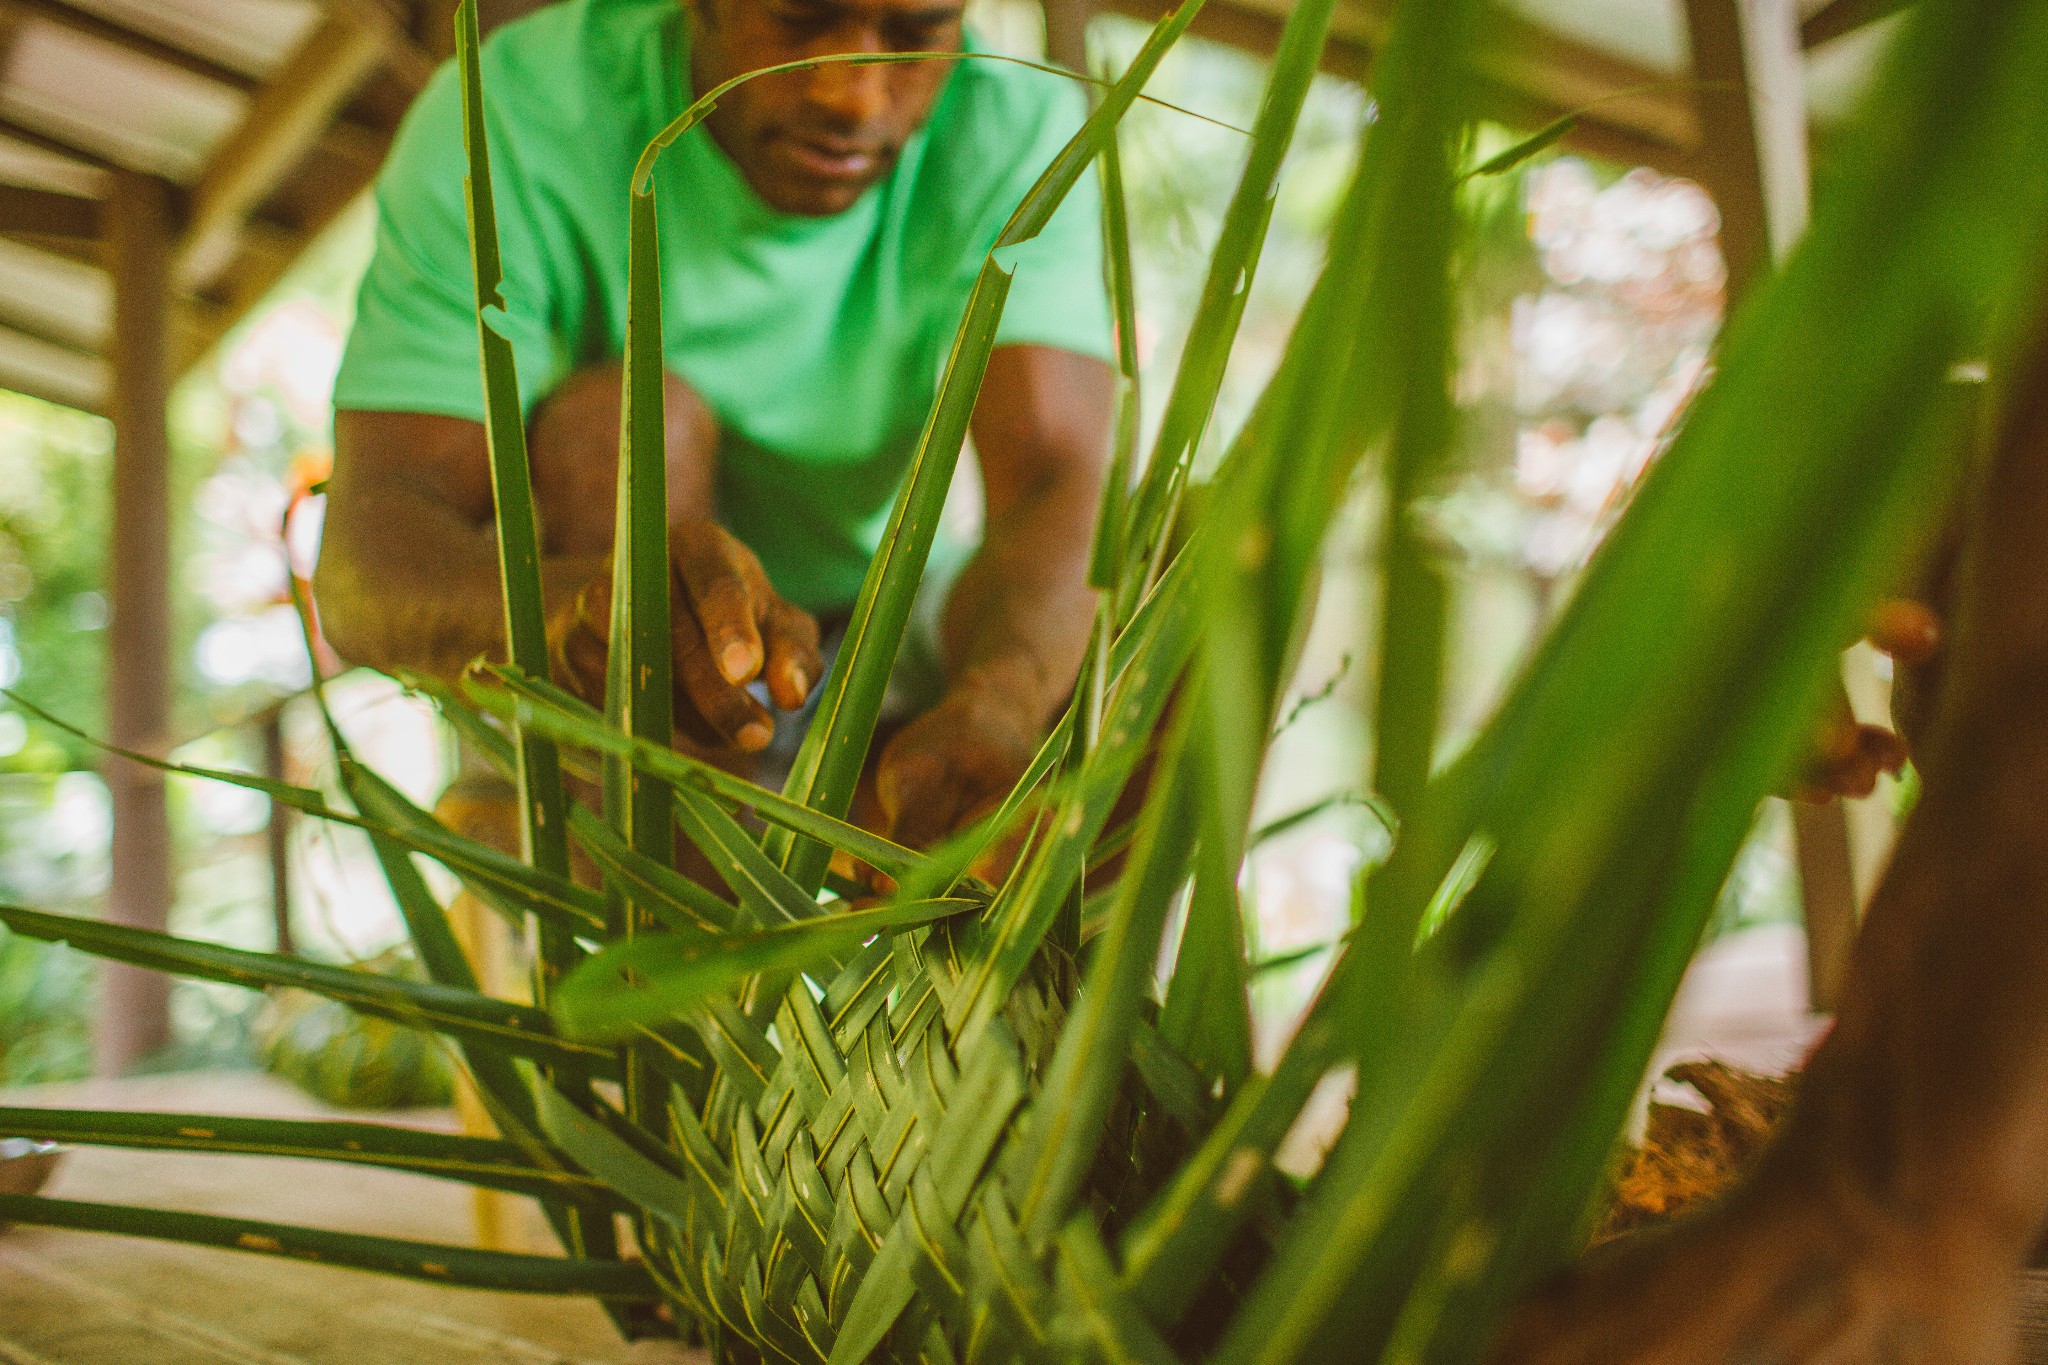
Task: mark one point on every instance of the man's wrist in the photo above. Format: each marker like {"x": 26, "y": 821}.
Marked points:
{"x": 1015, "y": 684}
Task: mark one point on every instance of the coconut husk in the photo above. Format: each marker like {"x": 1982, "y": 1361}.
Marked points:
{"x": 1689, "y": 1157}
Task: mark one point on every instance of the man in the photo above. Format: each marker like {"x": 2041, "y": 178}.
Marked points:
{"x": 819, "y": 235}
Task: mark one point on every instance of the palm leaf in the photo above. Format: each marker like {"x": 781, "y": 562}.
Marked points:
{"x": 480, "y": 866}
{"x": 488, "y": 1163}
{"x": 430, "y": 1261}
{"x": 543, "y": 817}
{"x": 554, "y": 713}
{"x": 465, "y": 1015}
{"x": 663, "y": 977}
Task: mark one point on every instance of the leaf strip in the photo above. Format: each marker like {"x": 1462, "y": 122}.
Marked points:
{"x": 430, "y": 1261}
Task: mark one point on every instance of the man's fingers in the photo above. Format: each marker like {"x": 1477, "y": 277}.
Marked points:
{"x": 716, "y": 581}
{"x": 1907, "y": 630}
{"x": 1885, "y": 750}
{"x": 730, "y": 712}
{"x": 794, "y": 664}
{"x": 577, "y": 640}
{"x": 594, "y": 608}
{"x": 584, "y": 655}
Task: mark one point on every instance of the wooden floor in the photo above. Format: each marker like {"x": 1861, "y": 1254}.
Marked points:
{"x": 79, "y": 1298}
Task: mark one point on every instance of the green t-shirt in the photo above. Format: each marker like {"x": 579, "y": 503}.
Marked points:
{"x": 818, "y": 342}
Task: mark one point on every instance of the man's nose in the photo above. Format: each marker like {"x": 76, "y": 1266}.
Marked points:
{"x": 851, "y": 95}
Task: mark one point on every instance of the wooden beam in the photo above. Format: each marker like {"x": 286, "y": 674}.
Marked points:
{"x": 1520, "y": 55}
{"x": 1753, "y": 160}
{"x": 1590, "y": 136}
{"x": 1837, "y": 18}
{"x": 52, "y": 371}
{"x": 1649, "y": 128}
{"x": 64, "y": 332}
{"x": 89, "y": 25}
{"x": 54, "y": 145}
{"x": 404, "y": 58}
{"x": 1752, "y": 156}
{"x": 1066, "y": 32}
{"x": 83, "y": 252}
{"x": 280, "y": 126}
{"x": 347, "y": 135}
{"x": 1827, "y": 892}
{"x": 134, "y": 1019}
{"x": 48, "y": 213}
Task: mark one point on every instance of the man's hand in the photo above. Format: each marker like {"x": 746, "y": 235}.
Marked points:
{"x": 952, "y": 765}
{"x": 1847, "y": 756}
{"x": 1017, "y": 619}
{"x": 729, "y": 628}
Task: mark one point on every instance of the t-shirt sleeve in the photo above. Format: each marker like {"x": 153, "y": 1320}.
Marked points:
{"x": 413, "y": 347}
{"x": 1058, "y": 297}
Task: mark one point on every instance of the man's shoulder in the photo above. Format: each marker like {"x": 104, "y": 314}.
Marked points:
{"x": 991, "y": 101}
{"x": 571, "y": 93}
{"x": 578, "y": 58}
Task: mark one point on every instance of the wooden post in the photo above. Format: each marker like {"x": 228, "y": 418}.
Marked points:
{"x": 1753, "y": 161}
{"x": 134, "y": 1017}
{"x": 277, "y": 835}
{"x": 1066, "y": 32}
{"x": 1752, "y": 156}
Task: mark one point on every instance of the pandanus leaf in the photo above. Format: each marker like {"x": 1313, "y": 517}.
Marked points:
{"x": 466, "y": 1015}
{"x": 434, "y": 1262}
{"x": 659, "y": 978}
{"x": 488, "y": 1163}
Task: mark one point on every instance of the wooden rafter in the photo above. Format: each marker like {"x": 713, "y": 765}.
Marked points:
{"x": 403, "y": 57}
{"x": 89, "y": 25}
{"x": 76, "y": 250}
{"x": 51, "y": 370}
{"x": 1837, "y": 18}
{"x": 398, "y": 52}
{"x": 1653, "y": 125}
{"x": 48, "y": 213}
{"x": 281, "y": 125}
{"x": 55, "y": 146}
{"x": 1753, "y": 156}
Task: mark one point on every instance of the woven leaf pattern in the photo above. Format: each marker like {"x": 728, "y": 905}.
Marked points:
{"x": 854, "y": 1203}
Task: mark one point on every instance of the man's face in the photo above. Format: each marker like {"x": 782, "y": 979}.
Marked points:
{"x": 810, "y": 142}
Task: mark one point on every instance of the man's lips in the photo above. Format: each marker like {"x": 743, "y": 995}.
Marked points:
{"x": 830, "y": 161}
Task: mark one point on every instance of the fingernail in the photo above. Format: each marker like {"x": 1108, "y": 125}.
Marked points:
{"x": 736, "y": 661}
{"x": 755, "y": 736}
{"x": 800, "y": 680}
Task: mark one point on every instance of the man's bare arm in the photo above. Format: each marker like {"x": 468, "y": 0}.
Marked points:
{"x": 1890, "y": 1219}
{"x": 408, "y": 574}
{"x": 1016, "y": 624}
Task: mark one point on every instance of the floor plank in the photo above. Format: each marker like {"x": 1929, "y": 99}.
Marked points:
{"x": 75, "y": 1298}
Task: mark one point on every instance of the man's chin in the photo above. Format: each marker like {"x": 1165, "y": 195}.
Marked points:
{"x": 813, "y": 199}
{"x": 789, "y": 186}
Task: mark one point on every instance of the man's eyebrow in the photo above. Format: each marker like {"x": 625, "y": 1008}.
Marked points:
{"x": 929, "y": 17}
